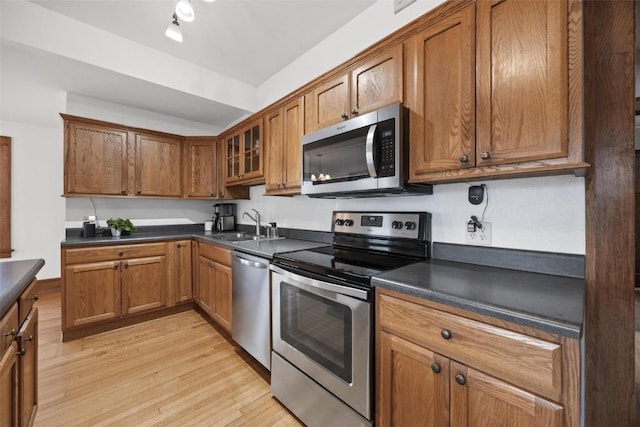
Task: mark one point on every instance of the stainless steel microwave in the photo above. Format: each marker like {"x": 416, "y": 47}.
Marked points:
{"x": 366, "y": 156}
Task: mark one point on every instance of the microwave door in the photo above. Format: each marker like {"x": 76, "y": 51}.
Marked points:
{"x": 369, "y": 154}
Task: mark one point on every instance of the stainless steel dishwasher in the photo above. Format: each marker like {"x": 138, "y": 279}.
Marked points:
{"x": 251, "y": 308}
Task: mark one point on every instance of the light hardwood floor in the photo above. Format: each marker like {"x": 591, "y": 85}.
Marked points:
{"x": 177, "y": 370}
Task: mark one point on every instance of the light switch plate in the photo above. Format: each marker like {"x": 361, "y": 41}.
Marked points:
{"x": 398, "y": 5}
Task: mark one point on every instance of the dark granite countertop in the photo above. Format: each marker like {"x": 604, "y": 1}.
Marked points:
{"x": 15, "y": 276}
{"x": 265, "y": 248}
{"x": 548, "y": 302}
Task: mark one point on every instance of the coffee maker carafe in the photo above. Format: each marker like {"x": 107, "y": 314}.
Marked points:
{"x": 224, "y": 216}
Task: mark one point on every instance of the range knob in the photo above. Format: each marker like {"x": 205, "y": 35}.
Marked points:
{"x": 348, "y": 222}
{"x": 340, "y": 222}
{"x": 396, "y": 225}
{"x": 410, "y": 225}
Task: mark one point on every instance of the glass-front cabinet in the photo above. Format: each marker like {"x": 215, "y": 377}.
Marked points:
{"x": 245, "y": 154}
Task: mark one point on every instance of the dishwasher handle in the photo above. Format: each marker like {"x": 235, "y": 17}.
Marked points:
{"x": 249, "y": 263}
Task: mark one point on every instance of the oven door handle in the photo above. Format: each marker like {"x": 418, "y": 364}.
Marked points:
{"x": 371, "y": 166}
{"x": 321, "y": 286}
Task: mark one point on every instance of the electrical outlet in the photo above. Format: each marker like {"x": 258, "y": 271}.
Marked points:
{"x": 480, "y": 237}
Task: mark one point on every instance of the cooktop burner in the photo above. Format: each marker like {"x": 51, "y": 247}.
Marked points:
{"x": 344, "y": 264}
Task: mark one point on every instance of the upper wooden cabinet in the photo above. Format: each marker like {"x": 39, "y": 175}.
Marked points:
{"x": 494, "y": 90}
{"x": 284, "y": 128}
{"x": 441, "y": 101}
{"x": 158, "y": 165}
{"x": 370, "y": 84}
{"x": 522, "y": 80}
{"x": 95, "y": 159}
{"x": 244, "y": 154}
{"x": 202, "y": 168}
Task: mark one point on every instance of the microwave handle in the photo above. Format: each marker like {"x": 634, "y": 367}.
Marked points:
{"x": 369, "y": 151}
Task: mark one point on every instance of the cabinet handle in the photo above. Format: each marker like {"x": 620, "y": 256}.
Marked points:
{"x": 435, "y": 368}
{"x": 464, "y": 158}
{"x": 123, "y": 191}
{"x": 485, "y": 155}
{"x": 120, "y": 253}
{"x": 115, "y": 266}
{"x": 354, "y": 111}
{"x": 460, "y": 379}
{"x": 446, "y": 334}
{"x": 213, "y": 193}
{"x": 12, "y": 332}
{"x": 220, "y": 194}
{"x": 344, "y": 116}
{"x": 21, "y": 352}
{"x": 139, "y": 191}
{"x": 179, "y": 245}
{"x": 126, "y": 264}
{"x": 35, "y": 297}
{"x": 30, "y": 338}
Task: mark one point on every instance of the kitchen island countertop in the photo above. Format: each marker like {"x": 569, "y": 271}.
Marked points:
{"x": 15, "y": 276}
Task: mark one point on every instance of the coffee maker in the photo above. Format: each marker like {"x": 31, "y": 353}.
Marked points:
{"x": 224, "y": 218}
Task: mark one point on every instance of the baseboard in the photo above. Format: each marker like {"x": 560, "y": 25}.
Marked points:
{"x": 48, "y": 286}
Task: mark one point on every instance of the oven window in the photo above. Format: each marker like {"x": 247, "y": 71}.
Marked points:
{"x": 318, "y": 327}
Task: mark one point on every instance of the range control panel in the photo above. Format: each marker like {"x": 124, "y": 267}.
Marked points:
{"x": 409, "y": 225}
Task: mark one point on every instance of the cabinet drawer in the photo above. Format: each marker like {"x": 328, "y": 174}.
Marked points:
{"x": 8, "y": 327}
{"x": 27, "y": 299}
{"x": 511, "y": 356}
{"x": 106, "y": 253}
{"x": 216, "y": 254}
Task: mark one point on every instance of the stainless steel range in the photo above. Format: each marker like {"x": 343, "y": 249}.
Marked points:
{"x": 322, "y": 359}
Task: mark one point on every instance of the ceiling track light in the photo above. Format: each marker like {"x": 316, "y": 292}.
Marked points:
{"x": 185, "y": 10}
{"x": 173, "y": 30}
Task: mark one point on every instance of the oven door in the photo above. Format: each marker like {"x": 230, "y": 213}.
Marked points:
{"x": 325, "y": 333}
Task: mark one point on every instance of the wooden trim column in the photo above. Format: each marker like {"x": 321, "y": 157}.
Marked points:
{"x": 5, "y": 197}
{"x": 610, "y": 222}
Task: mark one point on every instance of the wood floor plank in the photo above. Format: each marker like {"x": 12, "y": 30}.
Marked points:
{"x": 172, "y": 371}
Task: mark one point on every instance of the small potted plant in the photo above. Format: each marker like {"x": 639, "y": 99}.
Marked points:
{"x": 119, "y": 226}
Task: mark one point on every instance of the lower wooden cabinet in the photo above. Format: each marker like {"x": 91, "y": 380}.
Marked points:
{"x": 182, "y": 273}
{"x": 439, "y": 366}
{"x": 108, "y": 283}
{"x": 19, "y": 364}
{"x": 213, "y": 289}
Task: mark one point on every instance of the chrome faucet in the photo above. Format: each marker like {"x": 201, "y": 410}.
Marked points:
{"x": 256, "y": 219}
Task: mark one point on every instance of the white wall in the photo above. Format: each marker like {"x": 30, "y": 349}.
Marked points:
{"x": 545, "y": 214}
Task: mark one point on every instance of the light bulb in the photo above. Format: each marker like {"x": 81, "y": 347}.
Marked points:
{"x": 185, "y": 11}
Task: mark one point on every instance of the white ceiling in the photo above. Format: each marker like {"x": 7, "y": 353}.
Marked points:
{"x": 245, "y": 40}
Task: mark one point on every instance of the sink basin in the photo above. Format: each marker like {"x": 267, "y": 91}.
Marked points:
{"x": 241, "y": 237}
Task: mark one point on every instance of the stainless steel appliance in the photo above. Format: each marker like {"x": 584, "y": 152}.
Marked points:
{"x": 322, "y": 314}
{"x": 224, "y": 218}
{"x": 362, "y": 157}
{"x": 250, "y": 306}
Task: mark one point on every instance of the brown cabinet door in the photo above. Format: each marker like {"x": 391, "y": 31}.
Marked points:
{"x": 222, "y": 296}
{"x": 206, "y": 292}
{"x": 8, "y": 327}
{"x": 252, "y": 147}
{"x": 201, "y": 178}
{"x": 182, "y": 263}
{"x": 274, "y": 139}
{"x": 158, "y": 166}
{"x": 478, "y": 399}
{"x": 443, "y": 100}
{"x": 233, "y": 156}
{"x": 413, "y": 384}
{"x": 9, "y": 386}
{"x": 27, "y": 340}
{"x": 522, "y": 96}
{"x": 95, "y": 160}
{"x": 144, "y": 284}
{"x": 330, "y": 103}
{"x": 377, "y": 82}
{"x": 293, "y": 115}
{"x": 91, "y": 293}
{"x": 5, "y": 197}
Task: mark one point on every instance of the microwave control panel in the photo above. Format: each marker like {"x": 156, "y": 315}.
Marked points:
{"x": 387, "y": 153}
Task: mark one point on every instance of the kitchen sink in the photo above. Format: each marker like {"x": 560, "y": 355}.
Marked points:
{"x": 241, "y": 237}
